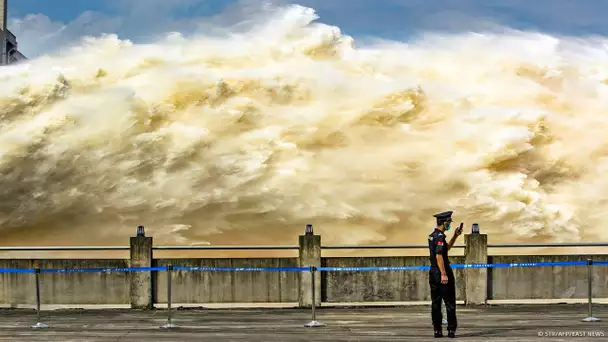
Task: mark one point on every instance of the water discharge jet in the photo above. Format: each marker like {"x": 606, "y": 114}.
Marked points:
{"x": 237, "y": 138}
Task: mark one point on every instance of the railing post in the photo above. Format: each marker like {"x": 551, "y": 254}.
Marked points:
{"x": 169, "y": 324}
{"x": 313, "y": 323}
{"x": 141, "y": 282}
{"x": 590, "y": 318}
{"x": 39, "y": 324}
{"x": 476, "y": 279}
{"x": 309, "y": 255}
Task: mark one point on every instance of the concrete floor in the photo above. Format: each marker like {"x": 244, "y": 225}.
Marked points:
{"x": 492, "y": 323}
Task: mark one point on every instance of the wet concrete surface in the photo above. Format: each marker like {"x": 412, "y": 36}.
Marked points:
{"x": 485, "y": 323}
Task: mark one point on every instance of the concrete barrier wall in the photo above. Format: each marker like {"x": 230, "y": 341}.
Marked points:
{"x": 381, "y": 286}
{"x": 556, "y": 282}
{"x": 251, "y": 287}
{"x": 139, "y": 291}
{"x": 64, "y": 288}
{"x": 228, "y": 287}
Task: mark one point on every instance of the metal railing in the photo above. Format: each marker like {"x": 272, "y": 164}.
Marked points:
{"x": 382, "y": 246}
{"x": 126, "y": 248}
{"x": 545, "y": 245}
{"x": 62, "y": 248}
{"x": 235, "y": 247}
{"x": 289, "y": 247}
{"x": 312, "y": 270}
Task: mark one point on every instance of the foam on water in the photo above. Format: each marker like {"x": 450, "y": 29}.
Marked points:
{"x": 287, "y": 123}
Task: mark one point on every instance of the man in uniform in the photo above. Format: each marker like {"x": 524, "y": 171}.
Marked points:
{"x": 441, "y": 277}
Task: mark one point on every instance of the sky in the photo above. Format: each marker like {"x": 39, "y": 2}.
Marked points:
{"x": 44, "y": 26}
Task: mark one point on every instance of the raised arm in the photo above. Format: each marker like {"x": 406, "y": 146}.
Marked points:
{"x": 455, "y": 236}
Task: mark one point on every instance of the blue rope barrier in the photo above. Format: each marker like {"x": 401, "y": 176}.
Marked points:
{"x": 523, "y": 264}
{"x": 363, "y": 269}
{"x": 16, "y": 270}
{"x": 426, "y": 268}
{"x": 243, "y": 269}
{"x": 301, "y": 269}
{"x": 102, "y": 270}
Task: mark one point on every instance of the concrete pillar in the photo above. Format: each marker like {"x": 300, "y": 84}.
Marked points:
{"x": 141, "y": 282}
{"x": 310, "y": 255}
{"x": 3, "y": 14}
{"x": 3, "y": 18}
{"x": 476, "y": 279}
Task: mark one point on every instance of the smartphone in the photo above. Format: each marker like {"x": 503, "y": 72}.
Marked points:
{"x": 460, "y": 227}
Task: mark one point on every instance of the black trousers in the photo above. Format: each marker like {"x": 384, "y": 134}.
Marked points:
{"x": 445, "y": 292}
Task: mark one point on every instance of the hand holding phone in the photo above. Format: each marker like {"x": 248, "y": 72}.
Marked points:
{"x": 459, "y": 229}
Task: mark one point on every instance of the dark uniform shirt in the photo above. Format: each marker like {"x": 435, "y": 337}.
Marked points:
{"x": 437, "y": 244}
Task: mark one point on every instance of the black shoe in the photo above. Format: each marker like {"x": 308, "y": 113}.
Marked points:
{"x": 451, "y": 334}
{"x": 438, "y": 333}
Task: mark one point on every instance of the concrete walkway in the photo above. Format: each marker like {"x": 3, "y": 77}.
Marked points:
{"x": 412, "y": 323}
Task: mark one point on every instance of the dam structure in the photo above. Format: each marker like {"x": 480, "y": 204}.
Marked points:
{"x": 142, "y": 277}
{"x": 271, "y": 297}
{"x": 10, "y": 51}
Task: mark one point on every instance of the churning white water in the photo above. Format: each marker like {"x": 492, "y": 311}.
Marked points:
{"x": 260, "y": 132}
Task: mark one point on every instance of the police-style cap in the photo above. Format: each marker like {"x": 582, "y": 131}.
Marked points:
{"x": 443, "y": 217}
